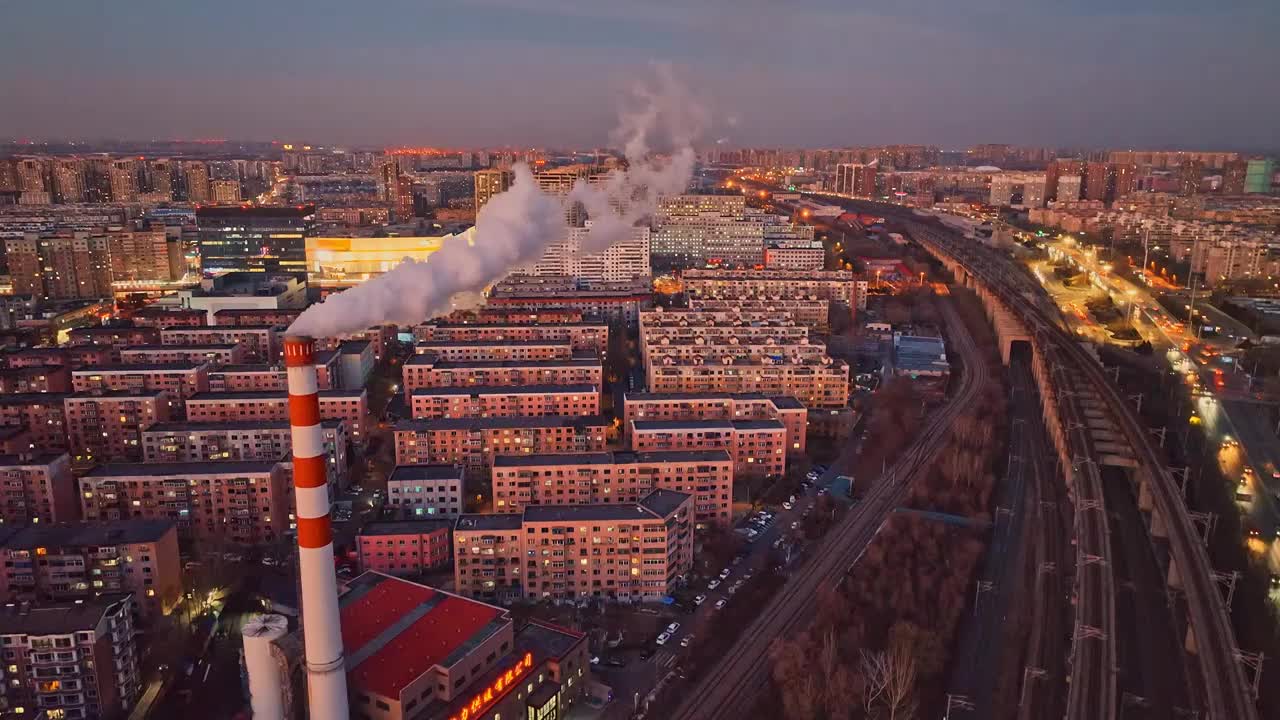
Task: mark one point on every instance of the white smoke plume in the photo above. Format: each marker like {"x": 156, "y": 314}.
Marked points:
{"x": 512, "y": 229}
{"x": 666, "y": 112}
{"x": 515, "y": 227}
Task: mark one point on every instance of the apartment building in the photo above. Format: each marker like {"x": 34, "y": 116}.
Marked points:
{"x": 812, "y": 312}
{"x": 37, "y": 488}
{"x": 351, "y": 406}
{"x": 720, "y": 327}
{"x": 72, "y": 356}
{"x": 504, "y": 401}
{"x": 616, "y": 477}
{"x": 261, "y": 377}
{"x": 424, "y": 371}
{"x": 167, "y": 317}
{"x": 80, "y": 561}
{"x": 831, "y": 285}
{"x": 482, "y": 668}
{"x": 407, "y": 547}
{"x": 628, "y": 551}
{"x": 581, "y": 336}
{"x": 108, "y": 425}
{"x": 179, "y": 380}
{"x": 817, "y": 382}
{"x": 35, "y": 379}
{"x": 474, "y": 442}
{"x": 510, "y": 350}
{"x": 610, "y": 301}
{"x": 72, "y": 660}
{"x": 239, "y": 502}
{"x": 273, "y": 317}
{"x": 720, "y": 406}
{"x": 42, "y": 415}
{"x": 418, "y": 491}
{"x": 758, "y": 447}
{"x": 116, "y": 337}
{"x": 262, "y": 342}
{"x": 219, "y": 353}
{"x": 242, "y": 440}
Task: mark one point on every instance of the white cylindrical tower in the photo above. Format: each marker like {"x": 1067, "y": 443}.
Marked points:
{"x": 266, "y": 681}
{"x": 321, "y": 621}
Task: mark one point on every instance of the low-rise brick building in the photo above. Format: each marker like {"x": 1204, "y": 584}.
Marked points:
{"x": 107, "y": 425}
{"x": 242, "y": 440}
{"x": 418, "y": 491}
{"x": 616, "y": 477}
{"x": 720, "y": 406}
{"x": 37, "y": 488}
{"x": 581, "y": 336}
{"x": 35, "y": 379}
{"x": 474, "y": 442}
{"x": 504, "y": 401}
{"x": 407, "y": 547}
{"x": 427, "y": 371}
{"x": 218, "y": 353}
{"x": 79, "y": 561}
{"x": 351, "y": 406}
{"x": 43, "y": 415}
{"x": 261, "y": 342}
{"x": 493, "y": 350}
{"x": 245, "y": 502}
{"x": 179, "y": 380}
{"x": 758, "y": 447}
{"x": 628, "y": 551}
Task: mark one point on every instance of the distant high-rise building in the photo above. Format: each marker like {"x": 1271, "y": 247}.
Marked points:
{"x": 1057, "y": 169}
{"x": 1234, "y": 173}
{"x": 403, "y": 201}
{"x": 1259, "y": 174}
{"x": 1126, "y": 178}
{"x": 1099, "y": 181}
{"x": 224, "y": 192}
{"x": 1190, "y": 174}
{"x": 145, "y": 255}
{"x": 856, "y": 179}
{"x": 1069, "y": 187}
{"x": 63, "y": 266}
{"x": 489, "y": 183}
{"x": 33, "y": 182}
{"x": 261, "y": 239}
{"x": 68, "y": 180}
{"x": 388, "y": 171}
{"x": 196, "y": 175}
{"x": 160, "y": 179}
{"x": 124, "y": 181}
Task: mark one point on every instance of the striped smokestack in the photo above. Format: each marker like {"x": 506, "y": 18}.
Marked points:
{"x": 321, "y": 624}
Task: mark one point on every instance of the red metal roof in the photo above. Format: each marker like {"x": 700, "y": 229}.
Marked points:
{"x": 413, "y": 650}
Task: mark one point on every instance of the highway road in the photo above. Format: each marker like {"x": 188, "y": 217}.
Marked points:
{"x": 1228, "y": 696}
{"x": 730, "y": 689}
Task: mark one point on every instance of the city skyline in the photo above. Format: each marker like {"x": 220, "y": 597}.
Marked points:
{"x": 1153, "y": 76}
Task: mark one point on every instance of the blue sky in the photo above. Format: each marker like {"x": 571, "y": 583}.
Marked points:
{"x": 793, "y": 72}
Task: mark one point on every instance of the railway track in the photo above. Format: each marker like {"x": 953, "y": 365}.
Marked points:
{"x": 730, "y": 689}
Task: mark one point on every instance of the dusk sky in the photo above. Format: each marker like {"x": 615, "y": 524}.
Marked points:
{"x": 1153, "y": 73}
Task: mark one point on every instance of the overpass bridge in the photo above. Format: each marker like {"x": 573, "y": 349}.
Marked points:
{"x": 1092, "y": 427}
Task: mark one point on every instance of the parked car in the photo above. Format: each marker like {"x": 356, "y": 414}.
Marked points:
{"x": 673, "y": 628}
{"x": 699, "y": 600}
{"x": 786, "y": 505}
{"x": 715, "y": 583}
{"x": 721, "y": 603}
{"x": 724, "y": 573}
{"x": 662, "y": 639}
{"x": 686, "y": 641}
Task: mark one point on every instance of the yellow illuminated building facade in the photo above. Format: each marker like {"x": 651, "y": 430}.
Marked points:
{"x": 345, "y": 261}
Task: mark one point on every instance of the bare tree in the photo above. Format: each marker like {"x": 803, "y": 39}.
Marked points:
{"x": 891, "y": 682}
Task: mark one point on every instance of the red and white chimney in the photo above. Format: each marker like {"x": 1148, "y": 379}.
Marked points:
{"x": 321, "y": 622}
